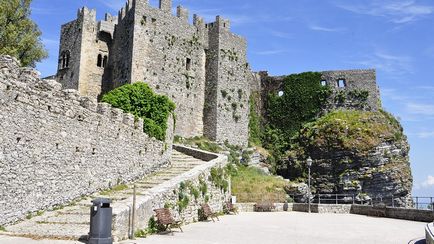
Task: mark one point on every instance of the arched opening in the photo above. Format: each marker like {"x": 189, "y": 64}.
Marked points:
{"x": 104, "y": 61}
{"x": 99, "y": 62}
{"x": 68, "y": 56}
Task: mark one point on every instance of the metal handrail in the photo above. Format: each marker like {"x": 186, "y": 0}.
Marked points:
{"x": 423, "y": 203}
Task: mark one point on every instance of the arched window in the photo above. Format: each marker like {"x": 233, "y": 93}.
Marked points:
{"x": 99, "y": 63}
{"x": 104, "y": 61}
{"x": 64, "y": 59}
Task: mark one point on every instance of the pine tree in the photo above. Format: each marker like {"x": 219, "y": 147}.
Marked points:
{"x": 19, "y": 35}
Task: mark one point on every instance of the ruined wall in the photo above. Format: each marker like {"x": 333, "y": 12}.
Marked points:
{"x": 353, "y": 81}
{"x": 228, "y": 77}
{"x": 56, "y": 146}
{"x": 348, "y": 96}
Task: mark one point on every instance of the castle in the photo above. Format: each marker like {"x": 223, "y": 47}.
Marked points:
{"x": 202, "y": 66}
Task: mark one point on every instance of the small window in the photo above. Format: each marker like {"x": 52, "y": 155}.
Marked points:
{"x": 154, "y": 20}
{"x": 104, "y": 61}
{"x": 280, "y": 93}
{"x": 99, "y": 62}
{"x": 342, "y": 83}
{"x": 188, "y": 64}
{"x": 323, "y": 83}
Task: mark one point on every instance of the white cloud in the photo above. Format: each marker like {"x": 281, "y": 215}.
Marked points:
{"x": 429, "y": 182}
{"x": 395, "y": 11}
{"x": 389, "y": 63}
{"x": 420, "y": 109}
{"x": 271, "y": 52}
{"x": 423, "y": 134}
{"x": 283, "y": 35}
{"x": 325, "y": 29}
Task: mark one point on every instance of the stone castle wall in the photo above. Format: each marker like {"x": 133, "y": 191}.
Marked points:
{"x": 228, "y": 88}
{"x": 56, "y": 146}
{"x": 344, "y": 96}
{"x": 169, "y": 54}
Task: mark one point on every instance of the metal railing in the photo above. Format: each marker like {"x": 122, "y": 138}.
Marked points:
{"x": 421, "y": 203}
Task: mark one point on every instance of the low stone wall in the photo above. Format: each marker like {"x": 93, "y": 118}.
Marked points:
{"x": 429, "y": 233}
{"x": 167, "y": 195}
{"x": 56, "y": 146}
{"x": 322, "y": 208}
{"x": 398, "y": 213}
{"x": 250, "y": 207}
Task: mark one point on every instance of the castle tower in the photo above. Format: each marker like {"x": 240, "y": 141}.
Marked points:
{"x": 84, "y": 53}
{"x": 226, "y": 112}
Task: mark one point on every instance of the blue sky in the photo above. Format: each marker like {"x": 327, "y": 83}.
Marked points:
{"x": 396, "y": 37}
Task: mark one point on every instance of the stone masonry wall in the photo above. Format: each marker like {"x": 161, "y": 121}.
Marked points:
{"x": 354, "y": 81}
{"x": 167, "y": 195}
{"x": 228, "y": 90}
{"x": 169, "y": 54}
{"x": 56, "y": 146}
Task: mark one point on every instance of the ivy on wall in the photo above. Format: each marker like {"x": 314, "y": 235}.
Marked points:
{"x": 139, "y": 100}
{"x": 299, "y": 101}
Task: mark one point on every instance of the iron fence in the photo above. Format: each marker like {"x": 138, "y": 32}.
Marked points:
{"x": 421, "y": 203}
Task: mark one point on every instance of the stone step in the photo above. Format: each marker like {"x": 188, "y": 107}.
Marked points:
{"x": 72, "y": 222}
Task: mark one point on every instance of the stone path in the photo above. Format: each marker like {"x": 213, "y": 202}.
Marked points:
{"x": 72, "y": 222}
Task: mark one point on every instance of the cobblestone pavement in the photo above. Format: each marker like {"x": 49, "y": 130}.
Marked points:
{"x": 280, "y": 228}
{"x": 72, "y": 222}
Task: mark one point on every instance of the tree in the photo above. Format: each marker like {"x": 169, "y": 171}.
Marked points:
{"x": 19, "y": 35}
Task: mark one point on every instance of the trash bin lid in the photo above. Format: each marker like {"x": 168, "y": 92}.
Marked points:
{"x": 101, "y": 201}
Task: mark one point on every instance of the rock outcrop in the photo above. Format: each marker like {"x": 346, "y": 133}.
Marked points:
{"x": 359, "y": 153}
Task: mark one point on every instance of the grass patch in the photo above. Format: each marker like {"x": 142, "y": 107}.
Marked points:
{"x": 202, "y": 143}
{"x": 2, "y": 228}
{"x": 114, "y": 189}
{"x": 251, "y": 185}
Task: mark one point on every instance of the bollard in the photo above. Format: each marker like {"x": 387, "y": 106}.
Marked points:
{"x": 100, "y": 222}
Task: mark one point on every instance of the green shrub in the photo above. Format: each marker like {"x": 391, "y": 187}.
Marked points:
{"x": 139, "y": 100}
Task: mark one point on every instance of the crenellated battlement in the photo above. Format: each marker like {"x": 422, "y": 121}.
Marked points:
{"x": 176, "y": 57}
{"x": 24, "y": 85}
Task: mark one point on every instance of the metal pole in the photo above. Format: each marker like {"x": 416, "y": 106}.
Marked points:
{"x": 393, "y": 201}
{"x": 133, "y": 214}
{"x": 432, "y": 205}
{"x": 417, "y": 202}
{"x": 308, "y": 195}
{"x": 354, "y": 200}
{"x": 336, "y": 199}
{"x": 319, "y": 198}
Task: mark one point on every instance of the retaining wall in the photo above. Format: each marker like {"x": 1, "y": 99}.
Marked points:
{"x": 429, "y": 233}
{"x": 167, "y": 194}
{"x": 56, "y": 146}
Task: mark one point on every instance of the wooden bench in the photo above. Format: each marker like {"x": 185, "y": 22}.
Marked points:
{"x": 264, "y": 207}
{"x": 378, "y": 210}
{"x": 230, "y": 208}
{"x": 164, "y": 218}
{"x": 207, "y": 213}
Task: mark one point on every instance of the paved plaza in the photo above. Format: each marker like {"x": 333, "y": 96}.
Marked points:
{"x": 281, "y": 228}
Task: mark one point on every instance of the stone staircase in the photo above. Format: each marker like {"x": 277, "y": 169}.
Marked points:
{"x": 72, "y": 222}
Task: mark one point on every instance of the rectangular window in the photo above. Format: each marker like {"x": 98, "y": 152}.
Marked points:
{"x": 342, "y": 83}
{"x": 323, "y": 83}
{"x": 188, "y": 64}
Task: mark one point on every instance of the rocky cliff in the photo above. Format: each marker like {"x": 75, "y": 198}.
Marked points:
{"x": 354, "y": 152}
